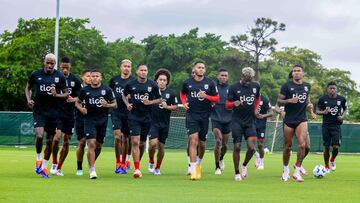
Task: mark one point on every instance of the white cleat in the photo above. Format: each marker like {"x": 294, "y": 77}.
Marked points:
{"x": 157, "y": 172}
{"x": 303, "y": 171}
{"x": 238, "y": 177}
{"x": 137, "y": 173}
{"x": 93, "y": 175}
{"x": 243, "y": 171}
{"x": 79, "y": 173}
{"x": 151, "y": 168}
{"x": 53, "y": 169}
{"x": 333, "y": 166}
{"x": 260, "y": 167}
{"x": 257, "y": 162}
{"x": 188, "y": 171}
{"x": 218, "y": 171}
{"x": 222, "y": 165}
{"x": 59, "y": 173}
{"x": 297, "y": 177}
{"x": 285, "y": 176}
{"x": 327, "y": 170}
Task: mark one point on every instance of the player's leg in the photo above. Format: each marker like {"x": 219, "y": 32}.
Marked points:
{"x": 260, "y": 143}
{"x": 335, "y": 141}
{"x": 250, "y": 142}
{"x": 63, "y": 153}
{"x": 117, "y": 148}
{"x": 163, "y": 134}
{"x": 217, "y": 149}
{"x": 223, "y": 151}
{"x": 237, "y": 134}
{"x": 80, "y": 155}
{"x": 288, "y": 136}
{"x": 193, "y": 143}
{"x": 55, "y": 148}
{"x": 145, "y": 127}
{"x": 204, "y": 126}
{"x": 135, "y": 129}
{"x": 301, "y": 133}
{"x": 153, "y": 142}
{"x": 128, "y": 154}
{"x": 124, "y": 145}
{"x": 91, "y": 143}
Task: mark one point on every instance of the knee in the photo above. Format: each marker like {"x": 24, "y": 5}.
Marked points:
{"x": 335, "y": 147}
{"x": 135, "y": 143}
{"x": 261, "y": 145}
{"x": 237, "y": 148}
{"x": 218, "y": 141}
{"x": 48, "y": 141}
{"x": 302, "y": 145}
{"x": 81, "y": 144}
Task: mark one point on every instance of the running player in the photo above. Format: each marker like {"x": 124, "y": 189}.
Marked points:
{"x": 244, "y": 98}
{"x": 79, "y": 127}
{"x": 265, "y": 111}
{"x": 50, "y": 86}
{"x": 97, "y": 99}
{"x": 143, "y": 93}
{"x": 333, "y": 108}
{"x": 221, "y": 120}
{"x": 196, "y": 95}
{"x": 66, "y": 119}
{"x": 160, "y": 119}
{"x": 294, "y": 95}
{"x": 119, "y": 116}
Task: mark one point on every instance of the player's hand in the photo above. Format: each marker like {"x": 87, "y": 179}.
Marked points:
{"x": 146, "y": 102}
{"x": 129, "y": 107}
{"x": 202, "y": 94}
{"x": 327, "y": 110}
{"x": 237, "y": 103}
{"x": 83, "y": 110}
{"x": 258, "y": 115}
{"x": 30, "y": 103}
{"x": 164, "y": 105}
{"x": 313, "y": 115}
{"x": 53, "y": 91}
{"x": 70, "y": 99}
{"x": 104, "y": 103}
{"x": 340, "y": 118}
{"x": 186, "y": 106}
{"x": 282, "y": 114}
{"x": 310, "y": 106}
{"x": 293, "y": 100}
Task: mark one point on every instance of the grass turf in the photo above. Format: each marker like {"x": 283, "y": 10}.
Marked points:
{"x": 19, "y": 183}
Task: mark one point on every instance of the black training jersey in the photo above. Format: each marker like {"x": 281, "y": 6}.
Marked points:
{"x": 296, "y": 112}
{"x": 92, "y": 98}
{"x": 263, "y": 109}
{"x": 138, "y": 92}
{"x": 191, "y": 88}
{"x": 219, "y": 111}
{"x": 337, "y": 106}
{"x": 244, "y": 113}
{"x": 159, "y": 115}
{"x": 43, "y": 82}
{"x": 117, "y": 84}
{"x": 74, "y": 85}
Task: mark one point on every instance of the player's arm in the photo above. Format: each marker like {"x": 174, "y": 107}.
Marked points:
{"x": 78, "y": 105}
{"x": 269, "y": 113}
{"x": 183, "y": 96}
{"x": 309, "y": 108}
{"x": 343, "y": 106}
{"x": 110, "y": 101}
{"x": 125, "y": 97}
{"x": 173, "y": 103}
{"x": 28, "y": 94}
{"x": 321, "y": 109}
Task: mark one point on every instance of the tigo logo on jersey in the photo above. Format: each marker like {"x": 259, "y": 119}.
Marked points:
{"x": 302, "y": 97}
{"x": 46, "y": 88}
{"x": 141, "y": 97}
{"x": 249, "y": 100}
{"x": 97, "y": 102}
{"x": 334, "y": 110}
{"x": 195, "y": 94}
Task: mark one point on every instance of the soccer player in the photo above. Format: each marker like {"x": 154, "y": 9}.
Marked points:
{"x": 79, "y": 127}
{"x": 333, "y": 108}
{"x": 265, "y": 112}
{"x": 220, "y": 120}
{"x": 50, "y": 86}
{"x": 119, "y": 116}
{"x": 197, "y": 94}
{"x": 66, "y": 117}
{"x": 160, "y": 119}
{"x": 244, "y": 98}
{"x": 294, "y": 95}
{"x": 142, "y": 93}
{"x": 97, "y": 99}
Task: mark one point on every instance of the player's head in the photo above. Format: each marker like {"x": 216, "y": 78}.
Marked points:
{"x": 125, "y": 67}
{"x": 247, "y": 74}
{"x": 199, "y": 68}
{"x": 96, "y": 77}
{"x": 297, "y": 72}
{"x": 86, "y": 77}
{"x": 332, "y": 88}
{"x": 223, "y": 75}
{"x": 142, "y": 71}
{"x": 162, "y": 78}
{"x": 49, "y": 63}
{"x": 65, "y": 65}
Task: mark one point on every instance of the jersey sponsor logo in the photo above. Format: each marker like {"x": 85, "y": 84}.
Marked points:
{"x": 334, "y": 111}
{"x": 248, "y": 100}
{"x": 96, "y": 102}
{"x": 149, "y": 89}
{"x": 72, "y": 83}
{"x": 206, "y": 86}
{"x": 103, "y": 92}
{"x": 69, "y": 90}
{"x": 160, "y": 105}
{"x": 195, "y": 94}
{"x": 141, "y": 97}
{"x": 254, "y": 90}
{"x": 119, "y": 90}
{"x": 46, "y": 88}
{"x": 56, "y": 79}
{"x": 302, "y": 97}
{"x": 306, "y": 88}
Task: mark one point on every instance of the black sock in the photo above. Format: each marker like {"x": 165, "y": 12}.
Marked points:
{"x": 237, "y": 171}
{"x": 217, "y": 165}
{"x": 79, "y": 165}
{"x": 222, "y": 156}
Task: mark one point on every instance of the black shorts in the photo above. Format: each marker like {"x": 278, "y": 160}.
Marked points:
{"x": 46, "y": 121}
{"x": 331, "y": 135}
{"x": 223, "y": 127}
{"x": 260, "y": 132}
{"x": 79, "y": 128}
{"x": 293, "y": 124}
{"x": 161, "y": 133}
{"x": 66, "y": 125}
{"x": 120, "y": 122}
{"x": 197, "y": 123}
{"x": 95, "y": 129}
{"x": 239, "y": 131}
{"x": 139, "y": 128}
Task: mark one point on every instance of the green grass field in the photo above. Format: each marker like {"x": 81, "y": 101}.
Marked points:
{"x": 19, "y": 183}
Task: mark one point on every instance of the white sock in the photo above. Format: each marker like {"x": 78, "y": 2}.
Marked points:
{"x": 198, "y": 160}
{"x": 286, "y": 168}
{"x": 193, "y": 167}
{"x": 44, "y": 163}
{"x": 297, "y": 170}
{"x": 92, "y": 168}
{"x": 262, "y": 161}
{"x": 128, "y": 157}
{"x": 257, "y": 155}
{"x": 38, "y": 157}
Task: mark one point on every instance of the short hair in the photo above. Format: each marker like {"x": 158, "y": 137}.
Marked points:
{"x": 87, "y": 70}
{"x": 95, "y": 71}
{"x": 198, "y": 61}
{"x": 331, "y": 83}
{"x": 290, "y": 76}
{"x": 222, "y": 70}
{"x": 141, "y": 64}
{"x": 163, "y": 71}
{"x": 298, "y": 66}
{"x": 50, "y": 56}
{"x": 65, "y": 59}
{"x": 248, "y": 71}
{"x": 125, "y": 61}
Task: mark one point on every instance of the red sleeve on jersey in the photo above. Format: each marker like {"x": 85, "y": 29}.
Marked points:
{"x": 229, "y": 104}
{"x": 183, "y": 98}
{"x": 257, "y": 102}
{"x": 215, "y": 99}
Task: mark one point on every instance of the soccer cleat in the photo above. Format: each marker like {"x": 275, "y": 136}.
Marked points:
{"x": 117, "y": 168}
{"x": 297, "y": 177}
{"x": 59, "y": 173}
{"x": 137, "y": 173}
{"x": 218, "y": 171}
{"x": 198, "y": 171}
{"x": 123, "y": 169}
{"x": 151, "y": 168}
{"x": 38, "y": 165}
{"x": 243, "y": 171}
{"x": 157, "y": 172}
{"x": 188, "y": 171}
{"x": 260, "y": 167}
{"x": 53, "y": 169}
{"x": 238, "y": 177}
{"x": 79, "y": 173}
{"x": 333, "y": 166}
{"x": 193, "y": 176}
{"x": 93, "y": 174}
{"x": 128, "y": 167}
{"x": 222, "y": 165}
{"x": 302, "y": 170}
{"x": 44, "y": 173}
{"x": 257, "y": 162}
{"x": 285, "y": 176}
{"x": 327, "y": 170}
